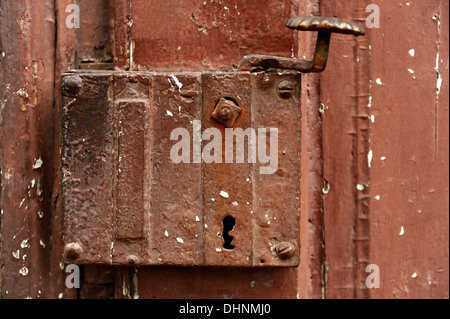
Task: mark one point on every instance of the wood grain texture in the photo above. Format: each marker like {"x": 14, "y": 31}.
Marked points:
{"x": 409, "y": 222}
{"x": 29, "y": 269}
{"x": 386, "y": 153}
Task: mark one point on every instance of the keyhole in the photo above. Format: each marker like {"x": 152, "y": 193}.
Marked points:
{"x": 228, "y": 226}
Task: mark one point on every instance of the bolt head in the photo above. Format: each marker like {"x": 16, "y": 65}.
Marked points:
{"x": 285, "y": 250}
{"x": 285, "y": 90}
{"x": 226, "y": 113}
{"x": 73, "y": 251}
{"x": 72, "y": 85}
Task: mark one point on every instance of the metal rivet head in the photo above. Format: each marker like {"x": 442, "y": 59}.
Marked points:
{"x": 132, "y": 260}
{"x": 285, "y": 250}
{"x": 73, "y": 251}
{"x": 285, "y": 89}
{"x": 72, "y": 85}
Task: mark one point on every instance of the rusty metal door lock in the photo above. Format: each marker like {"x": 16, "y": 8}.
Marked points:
{"x": 190, "y": 169}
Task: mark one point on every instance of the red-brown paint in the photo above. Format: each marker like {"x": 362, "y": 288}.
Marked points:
{"x": 402, "y": 115}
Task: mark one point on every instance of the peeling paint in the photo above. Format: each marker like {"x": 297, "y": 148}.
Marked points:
{"x": 38, "y": 164}
{"x": 439, "y": 77}
{"x": 16, "y": 254}
{"x": 370, "y": 158}
{"x": 177, "y": 82}
{"x": 23, "y": 271}
{"x": 25, "y": 244}
{"x": 224, "y": 194}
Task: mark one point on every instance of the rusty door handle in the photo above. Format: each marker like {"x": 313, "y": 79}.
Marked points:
{"x": 325, "y": 27}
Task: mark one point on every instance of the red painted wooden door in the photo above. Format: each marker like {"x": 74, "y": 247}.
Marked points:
{"x": 374, "y": 176}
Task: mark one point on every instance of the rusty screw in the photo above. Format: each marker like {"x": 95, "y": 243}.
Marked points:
{"x": 285, "y": 90}
{"x": 72, "y": 85}
{"x": 285, "y": 250}
{"x": 73, "y": 251}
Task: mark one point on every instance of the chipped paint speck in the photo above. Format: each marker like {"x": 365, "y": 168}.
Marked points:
{"x": 38, "y": 164}
{"x": 25, "y": 244}
{"x": 224, "y": 194}
{"x": 16, "y": 254}
{"x": 177, "y": 82}
{"x": 370, "y": 158}
{"x": 23, "y": 271}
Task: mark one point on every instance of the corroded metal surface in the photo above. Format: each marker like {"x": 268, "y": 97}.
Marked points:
{"x": 335, "y": 25}
{"x": 126, "y": 202}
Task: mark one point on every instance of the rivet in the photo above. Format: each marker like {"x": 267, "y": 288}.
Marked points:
{"x": 73, "y": 251}
{"x": 72, "y": 85}
{"x": 132, "y": 260}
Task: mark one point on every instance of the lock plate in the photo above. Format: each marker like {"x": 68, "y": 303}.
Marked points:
{"x": 144, "y": 184}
